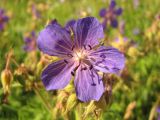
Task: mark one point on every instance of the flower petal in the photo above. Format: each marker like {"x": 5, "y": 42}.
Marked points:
{"x": 104, "y": 24}
{"x": 118, "y": 11}
{"x": 88, "y": 85}
{"x": 108, "y": 59}
{"x": 57, "y": 75}
{"x": 87, "y": 31}
{"x": 112, "y": 4}
{"x": 114, "y": 23}
{"x": 69, "y": 25}
{"x": 54, "y": 40}
{"x": 102, "y": 12}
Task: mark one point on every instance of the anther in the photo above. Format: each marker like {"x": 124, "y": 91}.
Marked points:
{"x": 90, "y": 47}
{"x": 85, "y": 68}
{"x": 73, "y": 47}
{"x": 91, "y": 67}
{"x": 72, "y": 73}
{"x": 66, "y": 61}
{"x": 103, "y": 56}
{"x": 93, "y": 84}
{"x": 69, "y": 55}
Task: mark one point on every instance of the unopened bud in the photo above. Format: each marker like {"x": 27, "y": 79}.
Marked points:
{"x": 133, "y": 52}
{"x": 6, "y": 78}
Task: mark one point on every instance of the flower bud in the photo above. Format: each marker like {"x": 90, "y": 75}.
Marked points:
{"x": 6, "y": 78}
{"x": 133, "y": 52}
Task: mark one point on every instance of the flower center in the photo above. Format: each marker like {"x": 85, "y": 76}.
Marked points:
{"x": 79, "y": 55}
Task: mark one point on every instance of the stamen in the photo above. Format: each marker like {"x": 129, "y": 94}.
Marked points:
{"x": 84, "y": 47}
{"x": 76, "y": 67}
{"x": 103, "y": 56}
{"x": 70, "y": 55}
{"x": 72, "y": 73}
{"x": 90, "y": 47}
{"x": 73, "y": 47}
{"x": 93, "y": 59}
{"x": 66, "y": 61}
{"x": 85, "y": 68}
{"x": 91, "y": 67}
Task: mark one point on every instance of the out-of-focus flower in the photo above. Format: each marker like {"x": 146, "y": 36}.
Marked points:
{"x": 158, "y": 110}
{"x": 3, "y": 19}
{"x": 120, "y": 43}
{"x": 32, "y": 8}
{"x": 110, "y": 15}
{"x": 82, "y": 57}
{"x": 35, "y": 12}
{"x": 126, "y": 46}
{"x": 30, "y": 42}
{"x": 123, "y": 43}
{"x": 152, "y": 36}
{"x": 122, "y": 26}
{"x": 136, "y": 3}
{"x": 136, "y": 31}
{"x": 36, "y": 9}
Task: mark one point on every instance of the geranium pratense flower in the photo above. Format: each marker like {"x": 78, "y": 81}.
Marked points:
{"x": 80, "y": 57}
{"x": 30, "y": 42}
{"x": 3, "y": 19}
{"x": 110, "y": 15}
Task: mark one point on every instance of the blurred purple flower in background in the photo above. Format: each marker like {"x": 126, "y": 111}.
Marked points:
{"x": 158, "y": 111}
{"x": 82, "y": 57}
{"x": 3, "y": 19}
{"x": 30, "y": 42}
{"x": 136, "y": 3}
{"x": 110, "y": 15}
{"x": 136, "y": 31}
{"x": 122, "y": 26}
{"x": 35, "y": 12}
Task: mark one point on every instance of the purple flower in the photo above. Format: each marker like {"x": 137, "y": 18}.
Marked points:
{"x": 110, "y": 15}
{"x": 35, "y": 12}
{"x": 80, "y": 57}
{"x": 30, "y": 42}
{"x": 3, "y": 19}
{"x": 158, "y": 111}
{"x": 69, "y": 25}
{"x": 136, "y": 3}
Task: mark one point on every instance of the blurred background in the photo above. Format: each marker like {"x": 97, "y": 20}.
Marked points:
{"x": 134, "y": 95}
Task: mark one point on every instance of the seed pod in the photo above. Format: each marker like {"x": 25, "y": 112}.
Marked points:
{"x": 6, "y": 78}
